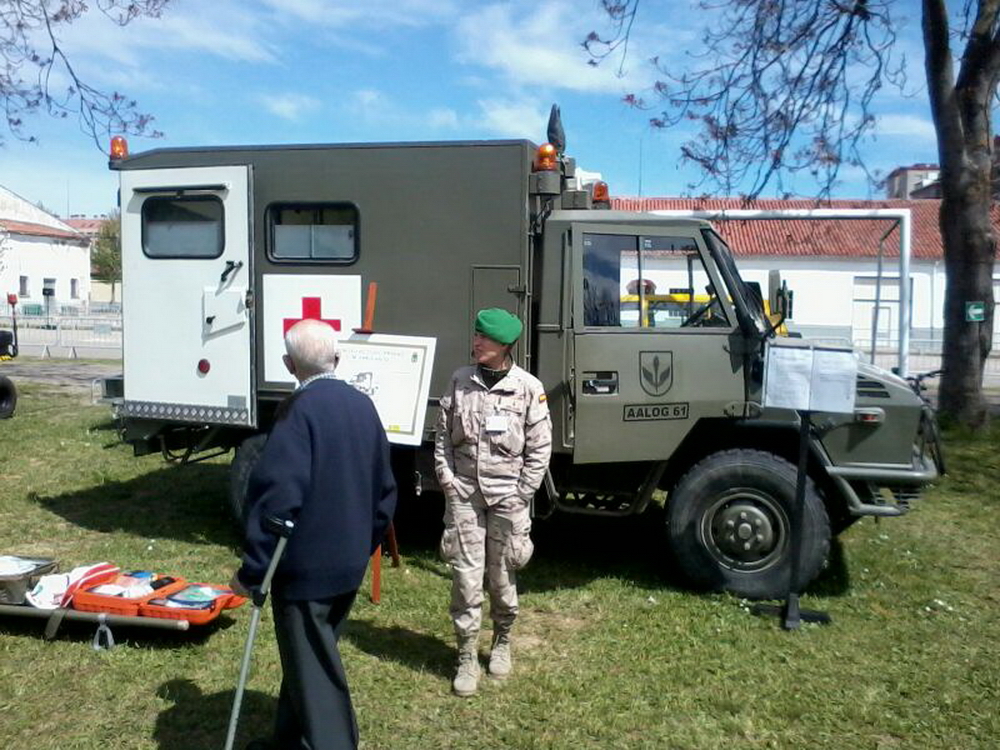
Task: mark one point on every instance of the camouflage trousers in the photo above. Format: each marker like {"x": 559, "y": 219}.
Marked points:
{"x": 485, "y": 540}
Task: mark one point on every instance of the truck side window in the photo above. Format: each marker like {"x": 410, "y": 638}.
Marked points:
{"x": 313, "y": 232}
{"x": 665, "y": 285}
{"x": 602, "y": 276}
{"x": 182, "y": 227}
{"x": 678, "y": 292}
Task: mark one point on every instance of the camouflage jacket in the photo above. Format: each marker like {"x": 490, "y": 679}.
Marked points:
{"x": 498, "y": 439}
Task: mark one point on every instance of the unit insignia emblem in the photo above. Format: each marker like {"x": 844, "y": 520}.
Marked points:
{"x": 656, "y": 372}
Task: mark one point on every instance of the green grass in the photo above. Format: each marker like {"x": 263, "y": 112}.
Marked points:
{"x": 609, "y": 653}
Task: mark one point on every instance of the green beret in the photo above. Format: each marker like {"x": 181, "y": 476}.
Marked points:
{"x": 499, "y": 325}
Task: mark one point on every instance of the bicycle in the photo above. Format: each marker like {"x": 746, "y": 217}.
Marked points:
{"x": 930, "y": 433}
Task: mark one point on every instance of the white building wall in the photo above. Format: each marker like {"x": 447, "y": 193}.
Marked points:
{"x": 39, "y": 258}
{"x": 825, "y": 292}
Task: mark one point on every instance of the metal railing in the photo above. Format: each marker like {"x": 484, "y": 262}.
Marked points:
{"x": 39, "y": 334}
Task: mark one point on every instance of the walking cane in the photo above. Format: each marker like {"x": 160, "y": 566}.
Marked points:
{"x": 284, "y": 530}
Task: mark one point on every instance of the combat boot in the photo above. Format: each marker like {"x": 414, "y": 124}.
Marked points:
{"x": 467, "y": 674}
{"x": 500, "y": 663}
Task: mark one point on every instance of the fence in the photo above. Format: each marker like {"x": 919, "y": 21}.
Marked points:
{"x": 98, "y": 336}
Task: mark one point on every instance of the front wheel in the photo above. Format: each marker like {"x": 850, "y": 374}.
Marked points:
{"x": 729, "y": 525}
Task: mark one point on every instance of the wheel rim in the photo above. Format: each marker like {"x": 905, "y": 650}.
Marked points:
{"x": 745, "y": 530}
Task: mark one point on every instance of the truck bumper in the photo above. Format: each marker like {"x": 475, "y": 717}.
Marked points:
{"x": 904, "y": 484}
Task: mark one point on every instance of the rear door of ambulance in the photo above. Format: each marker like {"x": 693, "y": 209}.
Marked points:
{"x": 186, "y": 294}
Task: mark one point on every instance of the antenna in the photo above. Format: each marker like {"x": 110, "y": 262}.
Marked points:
{"x": 556, "y": 134}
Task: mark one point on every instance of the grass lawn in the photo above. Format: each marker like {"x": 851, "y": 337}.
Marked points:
{"x": 609, "y": 651}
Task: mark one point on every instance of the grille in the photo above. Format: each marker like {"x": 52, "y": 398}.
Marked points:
{"x": 868, "y": 388}
{"x": 905, "y": 496}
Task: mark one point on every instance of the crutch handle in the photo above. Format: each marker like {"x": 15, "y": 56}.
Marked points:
{"x": 283, "y": 528}
{"x": 280, "y": 526}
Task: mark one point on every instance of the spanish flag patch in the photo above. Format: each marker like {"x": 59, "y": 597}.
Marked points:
{"x": 543, "y": 398}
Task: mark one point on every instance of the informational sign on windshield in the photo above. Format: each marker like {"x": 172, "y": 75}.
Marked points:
{"x": 395, "y": 372}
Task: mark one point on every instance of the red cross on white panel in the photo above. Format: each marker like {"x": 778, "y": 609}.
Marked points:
{"x": 311, "y": 310}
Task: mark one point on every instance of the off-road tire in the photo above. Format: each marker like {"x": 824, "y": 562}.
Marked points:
{"x": 739, "y": 497}
{"x": 243, "y": 464}
{"x": 8, "y": 397}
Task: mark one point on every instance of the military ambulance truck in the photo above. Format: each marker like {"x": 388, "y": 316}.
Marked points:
{"x": 224, "y": 248}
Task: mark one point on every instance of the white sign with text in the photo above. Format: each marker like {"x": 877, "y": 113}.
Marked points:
{"x": 395, "y": 372}
{"x": 809, "y": 378}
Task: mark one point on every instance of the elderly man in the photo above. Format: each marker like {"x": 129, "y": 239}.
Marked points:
{"x": 492, "y": 449}
{"x": 325, "y": 466}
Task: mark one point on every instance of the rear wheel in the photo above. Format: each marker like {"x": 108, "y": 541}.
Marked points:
{"x": 8, "y": 397}
{"x": 729, "y": 525}
{"x": 240, "y": 469}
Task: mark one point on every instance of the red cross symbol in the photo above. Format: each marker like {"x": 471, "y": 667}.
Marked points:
{"x": 311, "y": 310}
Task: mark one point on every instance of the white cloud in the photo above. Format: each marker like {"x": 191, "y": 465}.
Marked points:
{"x": 288, "y": 106}
{"x": 377, "y": 13}
{"x": 907, "y": 126}
{"x": 539, "y": 44}
{"x": 370, "y": 102}
{"x": 443, "y": 119}
{"x": 222, "y": 29}
{"x": 512, "y": 119}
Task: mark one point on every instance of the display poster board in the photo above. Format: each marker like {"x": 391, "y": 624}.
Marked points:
{"x": 395, "y": 372}
{"x": 808, "y": 378}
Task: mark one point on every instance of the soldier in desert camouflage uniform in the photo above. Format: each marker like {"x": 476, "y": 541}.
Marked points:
{"x": 492, "y": 449}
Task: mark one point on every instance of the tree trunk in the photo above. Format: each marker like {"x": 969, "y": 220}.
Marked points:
{"x": 969, "y": 249}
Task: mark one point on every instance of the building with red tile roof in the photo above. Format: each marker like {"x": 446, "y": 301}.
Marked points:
{"x": 832, "y": 265}
{"x": 88, "y": 226}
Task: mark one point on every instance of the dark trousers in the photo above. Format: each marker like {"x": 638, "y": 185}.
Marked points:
{"x": 314, "y": 706}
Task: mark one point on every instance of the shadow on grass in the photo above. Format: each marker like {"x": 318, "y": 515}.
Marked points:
{"x": 108, "y": 425}
{"x": 418, "y": 651}
{"x": 570, "y": 551}
{"x": 124, "y": 636}
{"x": 196, "y": 720}
{"x": 835, "y": 578}
{"x": 186, "y": 503}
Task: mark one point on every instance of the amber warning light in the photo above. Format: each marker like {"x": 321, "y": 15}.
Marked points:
{"x": 119, "y": 148}
{"x": 546, "y": 159}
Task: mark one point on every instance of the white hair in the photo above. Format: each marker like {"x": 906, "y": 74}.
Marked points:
{"x": 312, "y": 346}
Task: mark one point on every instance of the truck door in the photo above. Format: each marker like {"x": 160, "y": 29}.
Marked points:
{"x": 185, "y": 290}
{"x": 653, "y": 341}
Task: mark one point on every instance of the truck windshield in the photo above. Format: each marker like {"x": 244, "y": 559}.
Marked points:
{"x": 746, "y": 298}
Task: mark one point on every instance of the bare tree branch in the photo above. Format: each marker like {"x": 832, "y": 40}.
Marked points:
{"x": 780, "y": 87}
{"x": 32, "y": 59}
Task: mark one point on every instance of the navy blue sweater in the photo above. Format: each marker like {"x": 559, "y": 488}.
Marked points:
{"x": 325, "y": 466}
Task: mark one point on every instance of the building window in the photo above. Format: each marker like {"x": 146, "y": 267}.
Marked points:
{"x": 74, "y": 288}
{"x": 321, "y": 232}
{"x": 25, "y": 289}
{"x": 182, "y": 227}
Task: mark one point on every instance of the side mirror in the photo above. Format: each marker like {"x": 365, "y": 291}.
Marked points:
{"x": 779, "y": 296}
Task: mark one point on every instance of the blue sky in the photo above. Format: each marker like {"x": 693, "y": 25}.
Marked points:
{"x": 285, "y": 71}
